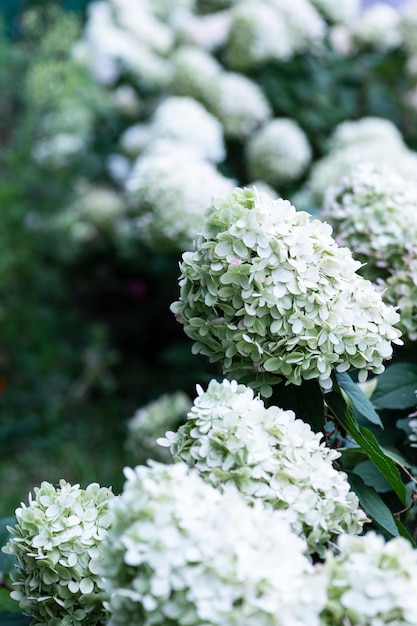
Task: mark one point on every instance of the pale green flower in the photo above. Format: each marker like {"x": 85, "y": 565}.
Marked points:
{"x": 270, "y": 294}
{"x": 152, "y": 420}
{"x": 278, "y": 152}
{"x": 373, "y": 211}
{"x": 400, "y": 290}
{"x": 181, "y": 552}
{"x": 230, "y": 437}
{"x": 57, "y": 542}
{"x": 371, "y": 582}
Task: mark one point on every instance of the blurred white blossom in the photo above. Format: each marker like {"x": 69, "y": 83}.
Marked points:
{"x": 151, "y": 421}
{"x": 278, "y": 152}
{"x": 371, "y": 582}
{"x": 181, "y": 552}
{"x": 169, "y": 188}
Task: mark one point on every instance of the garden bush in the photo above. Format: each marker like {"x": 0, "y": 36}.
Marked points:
{"x": 244, "y": 172}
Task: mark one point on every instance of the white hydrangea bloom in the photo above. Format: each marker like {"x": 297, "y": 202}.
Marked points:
{"x": 341, "y": 11}
{"x": 135, "y": 139}
{"x": 366, "y": 141}
{"x": 268, "y": 292}
{"x": 408, "y": 26}
{"x": 111, "y": 44}
{"x": 169, "y": 189}
{"x": 195, "y": 73}
{"x": 185, "y": 120}
{"x": 278, "y": 152}
{"x": 136, "y": 18}
{"x": 378, "y": 27}
{"x": 400, "y": 290}
{"x": 57, "y": 542}
{"x": 95, "y": 209}
{"x": 305, "y": 24}
{"x": 371, "y": 582}
{"x": 151, "y": 421}
{"x": 205, "y": 31}
{"x": 257, "y": 34}
{"x": 166, "y": 9}
{"x": 230, "y": 437}
{"x": 239, "y": 103}
{"x": 373, "y": 211}
{"x": 366, "y": 130}
{"x": 183, "y": 552}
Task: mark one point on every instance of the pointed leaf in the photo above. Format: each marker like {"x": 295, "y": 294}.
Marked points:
{"x": 361, "y": 403}
{"x": 376, "y": 508}
{"x": 396, "y": 387}
{"x": 366, "y": 440}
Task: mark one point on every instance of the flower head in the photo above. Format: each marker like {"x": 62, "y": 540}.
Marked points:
{"x": 169, "y": 188}
{"x": 373, "y": 211}
{"x": 278, "y": 152}
{"x": 230, "y": 437}
{"x": 291, "y": 307}
{"x": 181, "y": 552}
{"x": 151, "y": 421}
{"x": 371, "y": 582}
{"x": 57, "y": 541}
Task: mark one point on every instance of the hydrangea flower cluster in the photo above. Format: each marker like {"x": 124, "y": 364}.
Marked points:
{"x": 369, "y": 140}
{"x": 185, "y": 120}
{"x": 151, "y": 421}
{"x": 377, "y": 27}
{"x": 278, "y": 152}
{"x": 95, "y": 210}
{"x": 180, "y": 551}
{"x": 373, "y": 211}
{"x": 268, "y": 292}
{"x": 265, "y": 31}
{"x": 371, "y": 582}
{"x": 230, "y": 437}
{"x": 168, "y": 190}
{"x": 57, "y": 542}
{"x": 400, "y": 290}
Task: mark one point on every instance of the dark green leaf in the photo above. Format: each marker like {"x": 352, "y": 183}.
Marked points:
{"x": 358, "y": 398}
{"x": 366, "y": 440}
{"x": 371, "y": 476}
{"x": 10, "y": 618}
{"x": 376, "y": 508}
{"x": 396, "y": 387}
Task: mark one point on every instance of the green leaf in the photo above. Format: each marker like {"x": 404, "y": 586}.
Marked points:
{"x": 366, "y": 440}
{"x": 371, "y": 476}
{"x": 361, "y": 403}
{"x": 376, "y": 508}
{"x": 6, "y": 602}
{"x": 396, "y": 387}
{"x": 10, "y": 618}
